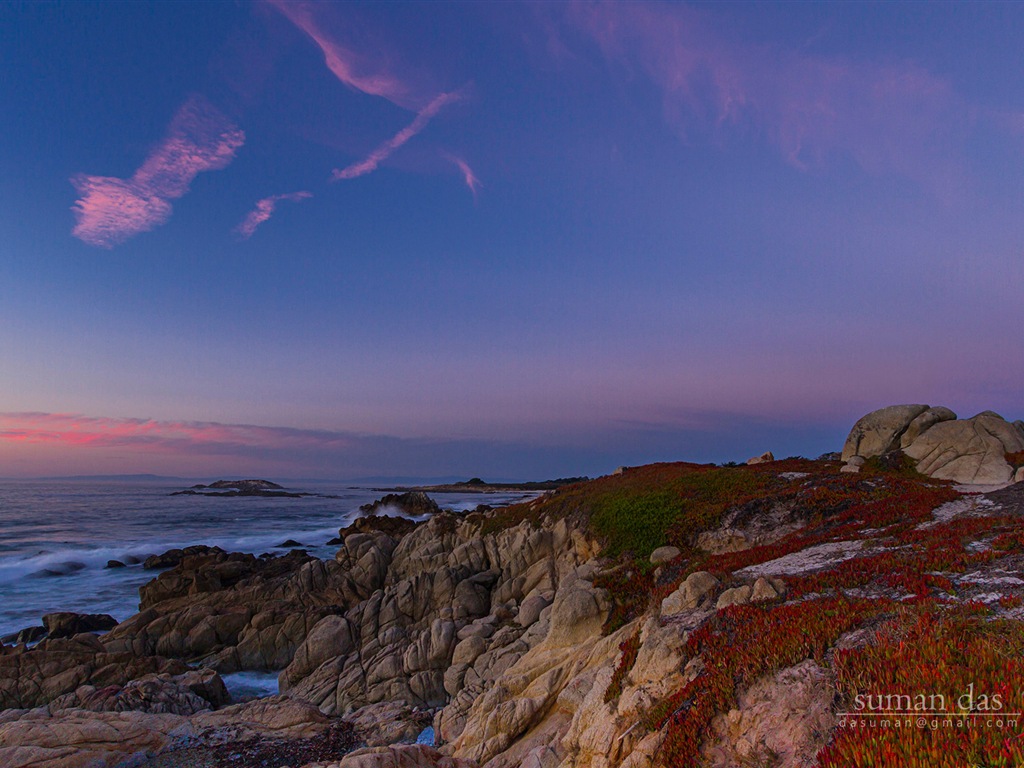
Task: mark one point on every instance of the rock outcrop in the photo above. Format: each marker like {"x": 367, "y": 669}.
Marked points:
{"x": 520, "y": 643}
{"x": 969, "y": 451}
{"x": 79, "y": 738}
{"x": 36, "y": 676}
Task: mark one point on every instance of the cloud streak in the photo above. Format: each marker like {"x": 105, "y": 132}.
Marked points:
{"x": 467, "y": 173}
{"x": 264, "y": 210}
{"x": 891, "y": 116}
{"x": 382, "y": 152}
{"x": 355, "y": 70}
{"x": 110, "y": 210}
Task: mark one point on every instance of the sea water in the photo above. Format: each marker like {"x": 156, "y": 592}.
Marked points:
{"x": 57, "y": 537}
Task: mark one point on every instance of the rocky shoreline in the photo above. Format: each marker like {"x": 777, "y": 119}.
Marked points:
{"x": 673, "y": 614}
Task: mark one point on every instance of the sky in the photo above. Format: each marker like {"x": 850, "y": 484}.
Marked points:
{"x": 508, "y": 240}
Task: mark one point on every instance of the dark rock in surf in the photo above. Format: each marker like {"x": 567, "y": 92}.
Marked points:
{"x": 26, "y": 635}
{"x": 396, "y": 527}
{"x": 173, "y": 557}
{"x": 68, "y": 624}
{"x": 413, "y": 504}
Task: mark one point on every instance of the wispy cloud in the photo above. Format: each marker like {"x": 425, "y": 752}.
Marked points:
{"x": 264, "y": 210}
{"x": 356, "y": 70}
{"x": 382, "y": 152}
{"x": 111, "y": 210}
{"x": 467, "y": 173}
{"x": 889, "y": 116}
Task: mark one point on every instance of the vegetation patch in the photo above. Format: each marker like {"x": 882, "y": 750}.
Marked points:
{"x": 739, "y": 645}
{"x": 628, "y": 651}
{"x": 962, "y": 662}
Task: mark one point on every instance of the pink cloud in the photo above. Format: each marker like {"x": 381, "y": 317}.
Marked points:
{"x": 264, "y": 210}
{"x": 890, "y": 116}
{"x": 467, "y": 173}
{"x": 355, "y": 70}
{"x": 382, "y": 152}
{"x": 111, "y": 210}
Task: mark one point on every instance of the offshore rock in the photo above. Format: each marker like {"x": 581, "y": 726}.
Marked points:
{"x": 66, "y": 624}
{"x": 412, "y": 503}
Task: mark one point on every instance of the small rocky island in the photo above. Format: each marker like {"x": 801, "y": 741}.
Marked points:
{"x": 229, "y": 488}
{"x": 667, "y": 615}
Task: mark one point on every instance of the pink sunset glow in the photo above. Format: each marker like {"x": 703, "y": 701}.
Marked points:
{"x": 207, "y": 438}
{"x": 382, "y": 152}
{"x": 264, "y": 210}
{"x": 110, "y": 210}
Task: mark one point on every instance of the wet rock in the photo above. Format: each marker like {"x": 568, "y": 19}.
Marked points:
{"x": 66, "y": 624}
{"x": 412, "y": 503}
{"x": 26, "y": 635}
{"x": 395, "y": 527}
{"x": 173, "y": 557}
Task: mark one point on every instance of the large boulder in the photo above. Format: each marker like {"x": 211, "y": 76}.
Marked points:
{"x": 968, "y": 450}
{"x": 880, "y": 431}
{"x": 924, "y": 422}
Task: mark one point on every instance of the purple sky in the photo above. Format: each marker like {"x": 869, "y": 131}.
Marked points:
{"x": 513, "y": 240}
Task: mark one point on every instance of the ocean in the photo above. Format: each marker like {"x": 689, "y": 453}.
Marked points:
{"x": 57, "y": 537}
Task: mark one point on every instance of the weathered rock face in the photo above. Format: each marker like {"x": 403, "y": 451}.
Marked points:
{"x": 67, "y": 624}
{"x": 78, "y": 738}
{"x": 236, "y": 612}
{"x": 970, "y": 451}
{"x": 880, "y": 431}
{"x": 450, "y": 613}
{"x": 783, "y": 718}
{"x": 186, "y": 694}
{"x": 30, "y": 678}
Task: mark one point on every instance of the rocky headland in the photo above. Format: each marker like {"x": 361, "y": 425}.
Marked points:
{"x": 667, "y": 615}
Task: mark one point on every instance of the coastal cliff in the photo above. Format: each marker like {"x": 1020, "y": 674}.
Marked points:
{"x": 667, "y": 615}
